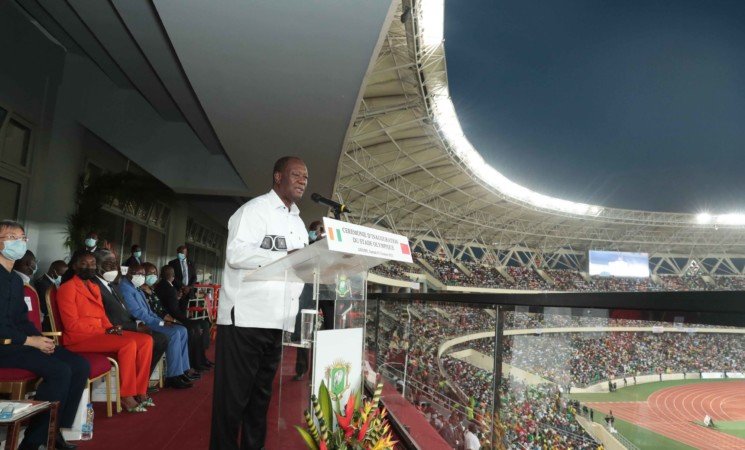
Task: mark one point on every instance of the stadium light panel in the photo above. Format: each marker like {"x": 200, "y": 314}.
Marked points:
{"x": 703, "y": 218}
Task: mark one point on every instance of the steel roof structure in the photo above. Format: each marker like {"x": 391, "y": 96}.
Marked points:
{"x": 403, "y": 169}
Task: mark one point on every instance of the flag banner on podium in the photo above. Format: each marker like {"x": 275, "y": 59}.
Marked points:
{"x": 358, "y": 240}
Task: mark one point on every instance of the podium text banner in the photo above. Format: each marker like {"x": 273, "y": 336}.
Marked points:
{"x": 358, "y": 240}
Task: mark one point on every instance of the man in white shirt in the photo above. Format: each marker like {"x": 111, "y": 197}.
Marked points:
{"x": 472, "y": 442}
{"x": 252, "y": 314}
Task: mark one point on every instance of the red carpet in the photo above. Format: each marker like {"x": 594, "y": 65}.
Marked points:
{"x": 181, "y": 419}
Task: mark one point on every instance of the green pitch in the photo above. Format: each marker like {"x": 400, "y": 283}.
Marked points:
{"x": 736, "y": 429}
{"x": 641, "y": 437}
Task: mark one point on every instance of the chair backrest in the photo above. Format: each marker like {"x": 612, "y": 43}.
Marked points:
{"x": 55, "y": 320}
{"x": 32, "y": 301}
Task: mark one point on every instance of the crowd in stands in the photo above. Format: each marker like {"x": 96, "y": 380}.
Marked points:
{"x": 730, "y": 283}
{"x": 396, "y": 270}
{"x": 480, "y": 275}
{"x": 134, "y": 311}
{"x": 588, "y": 358}
{"x": 539, "y": 414}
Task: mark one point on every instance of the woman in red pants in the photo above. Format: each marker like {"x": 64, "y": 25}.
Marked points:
{"x": 87, "y": 329}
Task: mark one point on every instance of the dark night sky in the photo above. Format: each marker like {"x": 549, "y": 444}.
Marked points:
{"x": 635, "y": 104}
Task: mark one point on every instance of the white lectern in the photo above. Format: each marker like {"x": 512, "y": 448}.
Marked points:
{"x": 334, "y": 271}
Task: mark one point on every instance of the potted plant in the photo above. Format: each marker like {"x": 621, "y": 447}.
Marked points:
{"x": 362, "y": 426}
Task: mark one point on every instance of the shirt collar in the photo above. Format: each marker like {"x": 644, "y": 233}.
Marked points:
{"x": 24, "y": 277}
{"x": 277, "y": 203}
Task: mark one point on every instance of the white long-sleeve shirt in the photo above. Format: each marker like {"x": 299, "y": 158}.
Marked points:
{"x": 261, "y": 231}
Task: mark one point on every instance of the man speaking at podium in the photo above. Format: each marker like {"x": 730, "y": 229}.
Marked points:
{"x": 252, "y": 314}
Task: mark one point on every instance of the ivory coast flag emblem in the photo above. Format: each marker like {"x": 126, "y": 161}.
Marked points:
{"x": 334, "y": 236}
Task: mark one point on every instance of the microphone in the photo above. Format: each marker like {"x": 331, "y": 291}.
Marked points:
{"x": 330, "y": 203}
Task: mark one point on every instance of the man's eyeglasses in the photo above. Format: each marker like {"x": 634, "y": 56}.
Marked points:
{"x": 13, "y": 237}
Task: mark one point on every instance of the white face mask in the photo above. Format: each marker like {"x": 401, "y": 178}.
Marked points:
{"x": 138, "y": 280}
{"x": 110, "y": 276}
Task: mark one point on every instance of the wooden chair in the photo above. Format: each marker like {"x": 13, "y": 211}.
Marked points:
{"x": 18, "y": 382}
{"x": 100, "y": 362}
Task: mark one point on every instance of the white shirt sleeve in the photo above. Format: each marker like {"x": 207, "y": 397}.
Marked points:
{"x": 245, "y": 234}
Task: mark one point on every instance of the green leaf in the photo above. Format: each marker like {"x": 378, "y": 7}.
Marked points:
{"x": 309, "y": 441}
{"x": 324, "y": 400}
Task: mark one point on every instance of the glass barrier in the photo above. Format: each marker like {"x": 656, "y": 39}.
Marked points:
{"x": 492, "y": 375}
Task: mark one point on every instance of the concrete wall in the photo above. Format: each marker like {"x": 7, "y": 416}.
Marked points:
{"x": 77, "y": 116}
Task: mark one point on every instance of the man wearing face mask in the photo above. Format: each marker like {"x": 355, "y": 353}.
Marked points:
{"x": 183, "y": 267}
{"x": 26, "y": 267}
{"x": 107, "y": 278}
{"x": 179, "y": 374}
{"x": 197, "y": 328}
{"x": 135, "y": 258}
{"x": 90, "y": 246}
{"x": 64, "y": 374}
{"x": 53, "y": 277}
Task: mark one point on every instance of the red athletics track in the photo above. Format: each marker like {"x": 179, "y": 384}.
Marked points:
{"x": 670, "y": 411}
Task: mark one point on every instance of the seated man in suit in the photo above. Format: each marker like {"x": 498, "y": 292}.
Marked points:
{"x": 107, "y": 277}
{"x": 64, "y": 374}
{"x": 52, "y": 277}
{"x": 169, "y": 298}
{"x": 179, "y": 373}
{"x": 26, "y": 267}
{"x": 135, "y": 258}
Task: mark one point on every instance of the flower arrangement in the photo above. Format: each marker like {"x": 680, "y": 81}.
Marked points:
{"x": 362, "y": 427}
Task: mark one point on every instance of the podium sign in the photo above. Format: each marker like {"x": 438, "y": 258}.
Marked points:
{"x": 338, "y": 362}
{"x": 358, "y": 240}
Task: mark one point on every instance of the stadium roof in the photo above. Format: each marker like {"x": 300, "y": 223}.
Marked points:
{"x": 407, "y": 166}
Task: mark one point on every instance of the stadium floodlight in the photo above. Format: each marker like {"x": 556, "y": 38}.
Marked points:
{"x": 432, "y": 25}
{"x": 730, "y": 219}
{"x": 703, "y": 218}
{"x": 432, "y": 22}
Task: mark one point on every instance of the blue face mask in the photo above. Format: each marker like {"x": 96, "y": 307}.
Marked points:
{"x": 137, "y": 254}
{"x": 14, "y": 250}
{"x": 312, "y": 235}
{"x": 151, "y": 279}
{"x": 58, "y": 281}
{"x": 181, "y": 256}
{"x": 90, "y": 242}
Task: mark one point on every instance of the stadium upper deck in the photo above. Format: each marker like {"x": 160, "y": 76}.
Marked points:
{"x": 407, "y": 166}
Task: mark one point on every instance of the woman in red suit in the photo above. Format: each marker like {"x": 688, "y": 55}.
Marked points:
{"x": 87, "y": 329}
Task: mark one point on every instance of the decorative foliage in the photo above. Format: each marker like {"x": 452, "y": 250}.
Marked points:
{"x": 125, "y": 187}
{"x": 362, "y": 426}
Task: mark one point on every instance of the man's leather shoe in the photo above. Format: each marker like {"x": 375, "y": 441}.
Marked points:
{"x": 193, "y": 376}
{"x": 186, "y": 379}
{"x": 61, "y": 444}
{"x": 178, "y": 383}
{"x": 153, "y": 389}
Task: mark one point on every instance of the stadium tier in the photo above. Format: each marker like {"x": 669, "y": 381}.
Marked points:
{"x": 444, "y": 358}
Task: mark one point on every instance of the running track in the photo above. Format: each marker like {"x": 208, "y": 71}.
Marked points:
{"x": 669, "y": 412}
